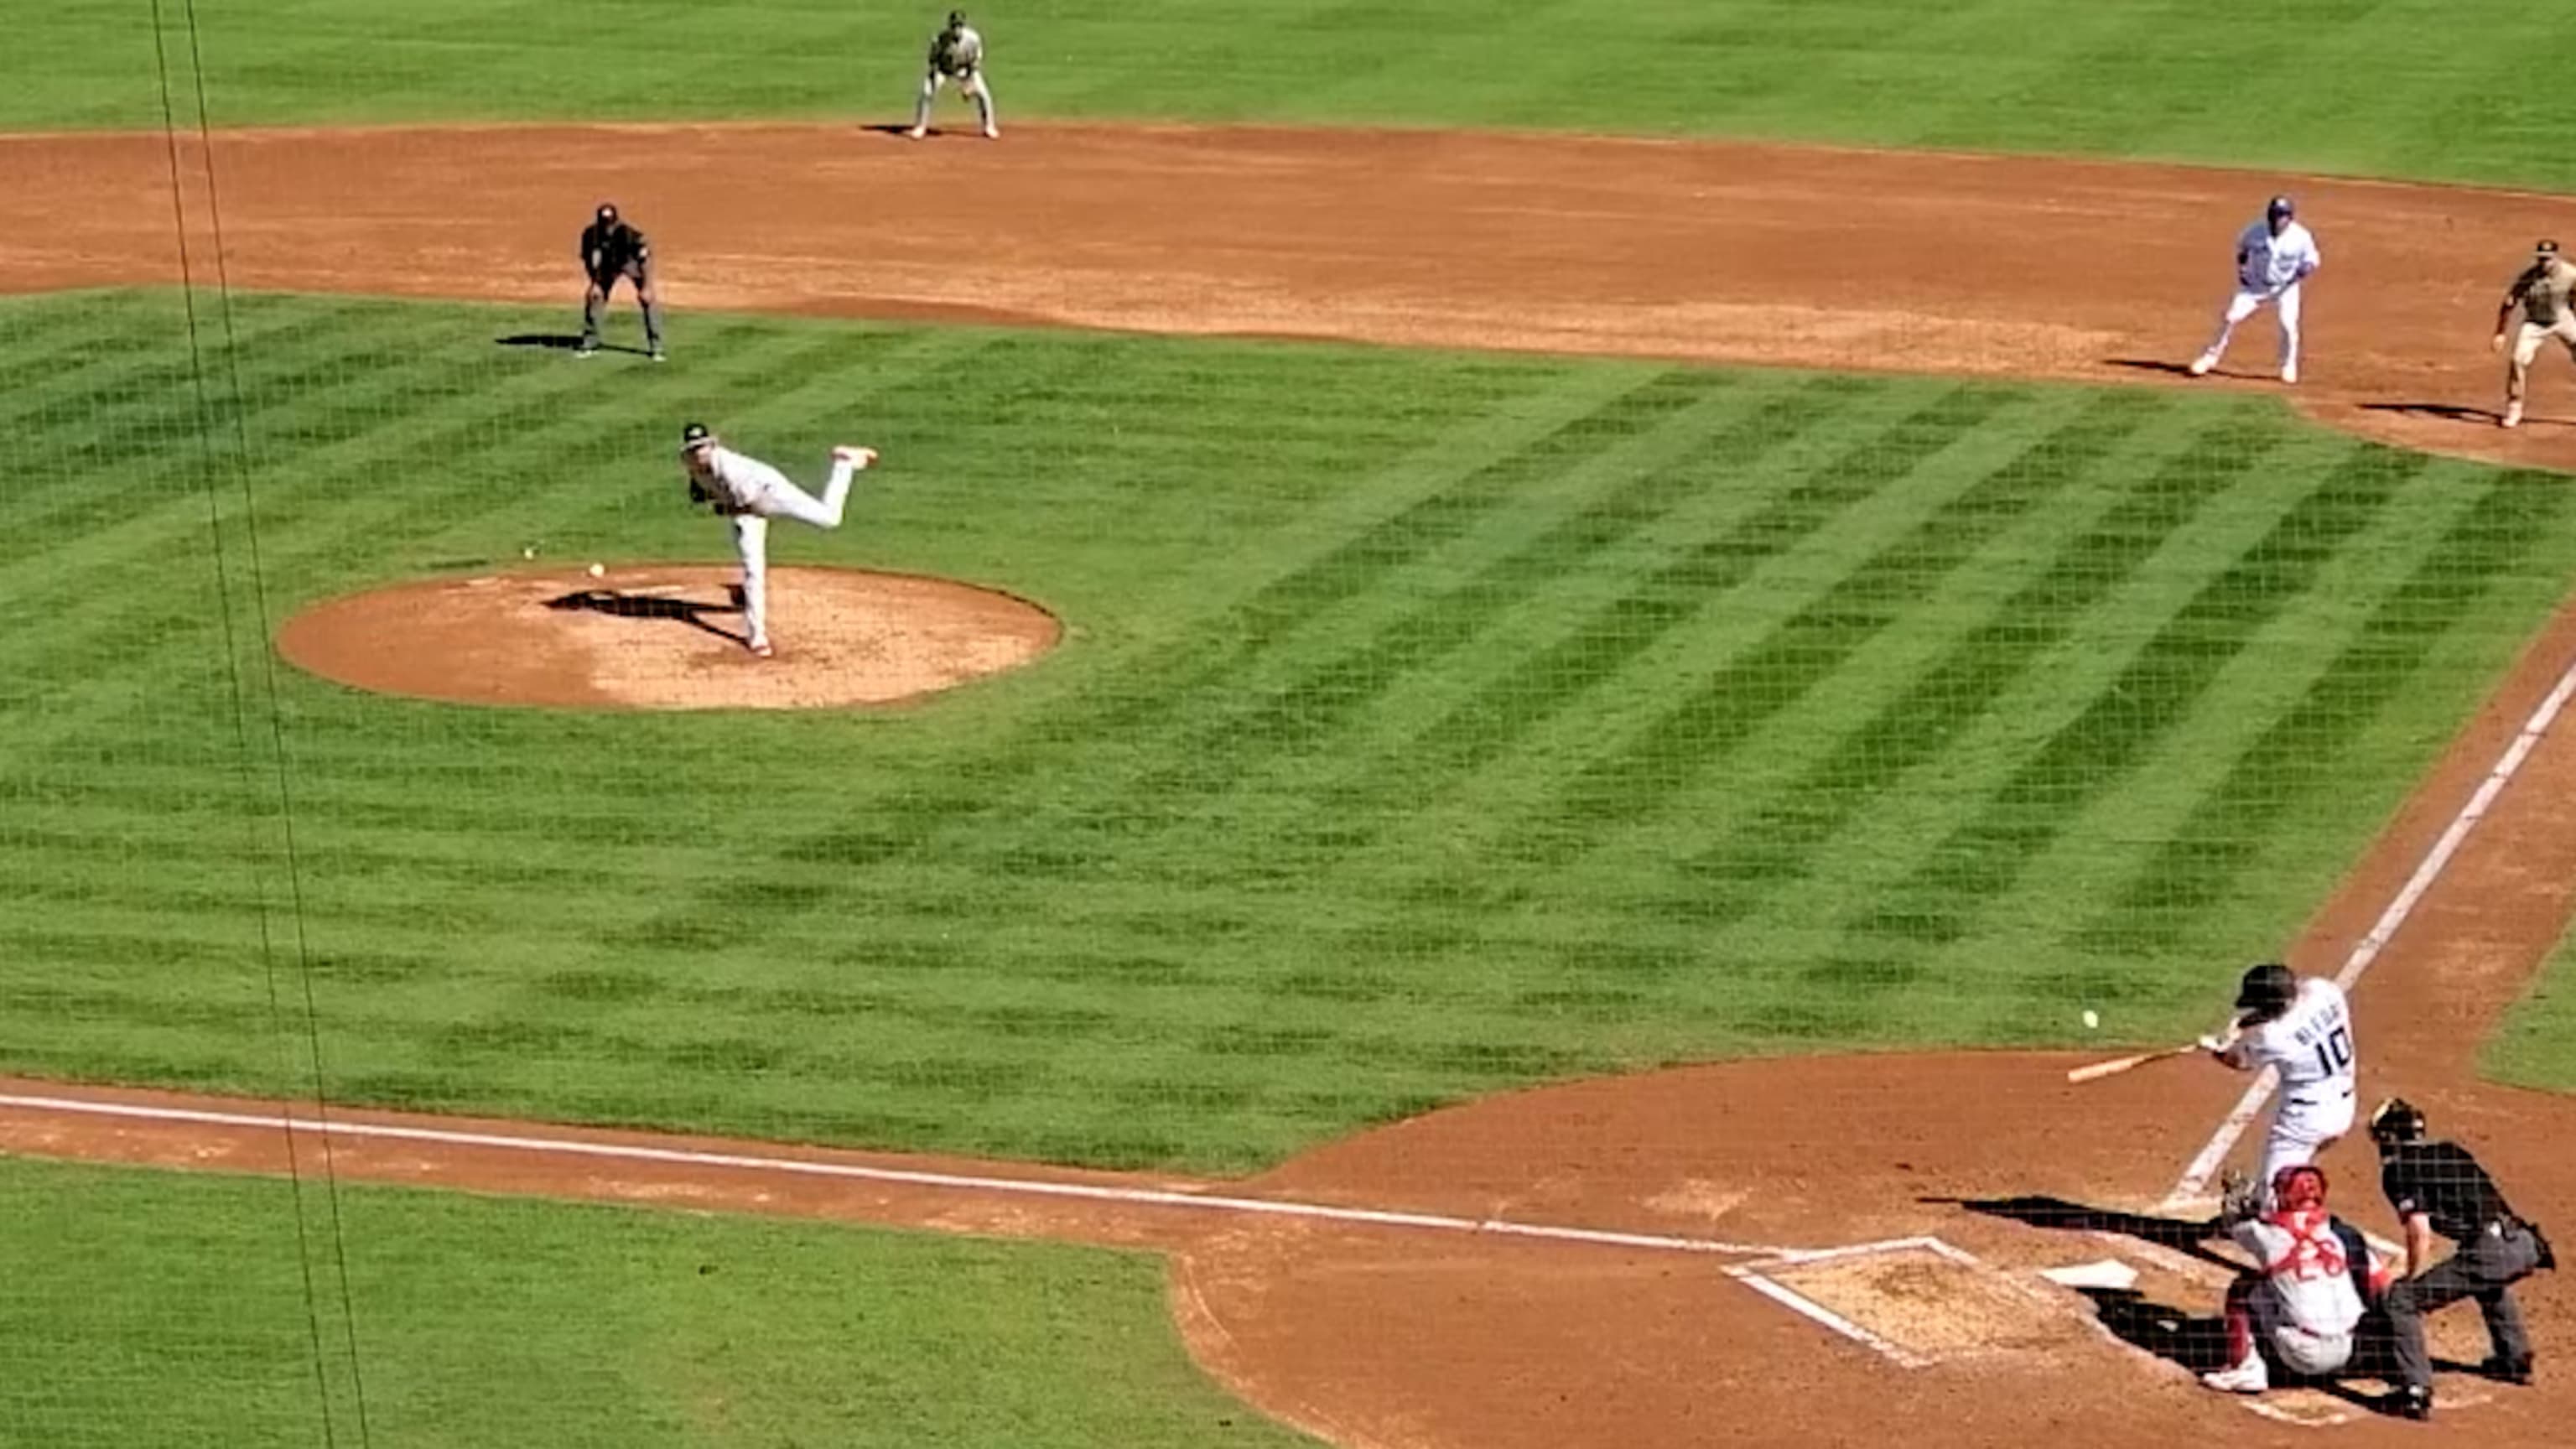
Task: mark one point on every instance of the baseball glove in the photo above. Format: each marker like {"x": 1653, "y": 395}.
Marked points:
{"x": 2240, "y": 1197}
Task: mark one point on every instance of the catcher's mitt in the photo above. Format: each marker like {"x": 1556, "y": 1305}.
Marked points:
{"x": 2240, "y": 1197}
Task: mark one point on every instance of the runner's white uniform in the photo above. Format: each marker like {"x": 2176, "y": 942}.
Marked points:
{"x": 2268, "y": 269}
{"x": 2311, "y": 1046}
{"x": 753, "y": 493}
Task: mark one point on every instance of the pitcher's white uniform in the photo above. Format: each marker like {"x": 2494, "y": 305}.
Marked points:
{"x": 2274, "y": 256}
{"x": 2311, "y": 1046}
{"x": 751, "y": 492}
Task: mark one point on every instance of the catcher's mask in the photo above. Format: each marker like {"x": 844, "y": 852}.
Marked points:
{"x": 2266, "y": 991}
{"x": 2299, "y": 1187}
{"x": 2397, "y": 1120}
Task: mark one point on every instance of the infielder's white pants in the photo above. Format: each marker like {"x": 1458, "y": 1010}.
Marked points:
{"x": 2246, "y": 304}
{"x": 2527, "y": 341}
{"x": 2305, "y": 1124}
{"x": 972, "y": 87}
{"x": 751, "y": 536}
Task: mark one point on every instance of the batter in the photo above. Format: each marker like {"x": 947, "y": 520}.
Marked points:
{"x": 2541, "y": 292}
{"x": 751, "y": 493}
{"x": 2300, "y": 1027}
{"x": 2274, "y": 256}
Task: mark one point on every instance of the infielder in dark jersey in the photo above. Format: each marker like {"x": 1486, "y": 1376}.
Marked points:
{"x": 610, "y": 249}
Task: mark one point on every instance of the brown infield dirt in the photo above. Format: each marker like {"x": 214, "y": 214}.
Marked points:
{"x": 1385, "y": 1291}
{"x": 666, "y": 636}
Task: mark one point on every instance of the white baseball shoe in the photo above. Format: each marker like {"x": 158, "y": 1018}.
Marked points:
{"x": 2290, "y": 374}
{"x": 2201, "y": 365}
{"x": 2249, "y": 1377}
{"x": 2512, "y": 416}
{"x": 760, "y": 649}
{"x": 860, "y": 458}
{"x": 917, "y": 132}
{"x": 992, "y": 133}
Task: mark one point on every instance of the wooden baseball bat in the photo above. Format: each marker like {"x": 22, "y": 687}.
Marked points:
{"x": 2117, "y": 1065}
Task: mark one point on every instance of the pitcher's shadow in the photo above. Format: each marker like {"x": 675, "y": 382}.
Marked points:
{"x": 655, "y": 606}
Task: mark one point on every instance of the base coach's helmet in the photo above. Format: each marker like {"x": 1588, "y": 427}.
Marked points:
{"x": 2397, "y": 1120}
{"x": 2266, "y": 991}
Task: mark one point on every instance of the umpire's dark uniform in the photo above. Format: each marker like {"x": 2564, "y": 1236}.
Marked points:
{"x": 610, "y": 249}
{"x": 2493, "y": 1248}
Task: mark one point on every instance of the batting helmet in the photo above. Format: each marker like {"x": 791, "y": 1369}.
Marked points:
{"x": 2266, "y": 991}
{"x": 2281, "y": 206}
{"x": 2300, "y": 1186}
{"x": 2397, "y": 1120}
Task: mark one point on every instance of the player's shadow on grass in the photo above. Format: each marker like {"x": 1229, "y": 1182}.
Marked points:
{"x": 560, "y": 342}
{"x": 2150, "y": 364}
{"x": 2447, "y": 412}
{"x": 652, "y": 606}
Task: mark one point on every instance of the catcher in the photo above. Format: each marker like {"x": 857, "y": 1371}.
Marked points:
{"x": 611, "y": 250}
{"x": 2301, "y": 1306}
{"x": 2541, "y": 291}
{"x": 956, "y": 57}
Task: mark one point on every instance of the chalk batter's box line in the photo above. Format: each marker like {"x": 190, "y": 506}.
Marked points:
{"x": 1755, "y": 1277}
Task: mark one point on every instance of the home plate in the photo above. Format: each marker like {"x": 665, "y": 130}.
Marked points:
{"x": 2110, "y": 1273}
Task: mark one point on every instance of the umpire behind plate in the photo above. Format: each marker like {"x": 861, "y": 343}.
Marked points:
{"x": 2437, "y": 1187}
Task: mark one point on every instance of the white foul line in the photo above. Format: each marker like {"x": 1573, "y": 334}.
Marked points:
{"x": 910, "y": 1177}
{"x": 2195, "y": 1178}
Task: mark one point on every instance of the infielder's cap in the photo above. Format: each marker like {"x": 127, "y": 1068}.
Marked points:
{"x": 608, "y": 211}
{"x": 2545, "y": 247}
{"x": 695, "y": 435}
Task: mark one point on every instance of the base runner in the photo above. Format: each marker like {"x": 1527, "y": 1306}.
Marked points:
{"x": 2274, "y": 259}
{"x": 751, "y": 493}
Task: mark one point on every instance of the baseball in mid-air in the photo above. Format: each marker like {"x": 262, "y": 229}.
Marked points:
{"x": 596, "y": 570}
{"x": 2092, "y": 1018}
{"x": 529, "y": 552}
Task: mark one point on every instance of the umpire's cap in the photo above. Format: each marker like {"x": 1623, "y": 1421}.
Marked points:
{"x": 2266, "y": 990}
{"x": 695, "y": 435}
{"x": 2397, "y": 1120}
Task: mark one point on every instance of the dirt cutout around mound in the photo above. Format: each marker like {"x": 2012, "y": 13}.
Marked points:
{"x": 1913, "y": 262}
{"x": 667, "y": 636}
{"x": 1831, "y": 1250}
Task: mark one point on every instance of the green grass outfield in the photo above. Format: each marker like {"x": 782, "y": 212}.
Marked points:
{"x": 146, "y": 1307}
{"x": 2449, "y": 89}
{"x": 1430, "y": 724}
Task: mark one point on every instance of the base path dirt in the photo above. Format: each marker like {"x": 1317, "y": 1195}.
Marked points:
{"x": 1829, "y": 1250}
{"x": 1818, "y": 257}
{"x": 667, "y": 636}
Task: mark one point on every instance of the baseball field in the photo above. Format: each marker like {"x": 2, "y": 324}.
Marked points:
{"x": 1513, "y": 688}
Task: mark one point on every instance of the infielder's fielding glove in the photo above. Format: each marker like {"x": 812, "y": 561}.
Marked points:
{"x": 699, "y": 497}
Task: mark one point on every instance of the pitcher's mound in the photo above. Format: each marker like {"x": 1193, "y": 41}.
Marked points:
{"x": 667, "y": 636}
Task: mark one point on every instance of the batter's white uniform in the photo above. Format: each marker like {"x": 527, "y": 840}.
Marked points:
{"x": 2311, "y": 1046}
{"x": 2270, "y": 269}
{"x": 752, "y": 493}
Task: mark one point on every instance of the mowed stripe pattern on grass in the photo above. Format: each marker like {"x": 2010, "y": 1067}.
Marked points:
{"x": 1428, "y": 724}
